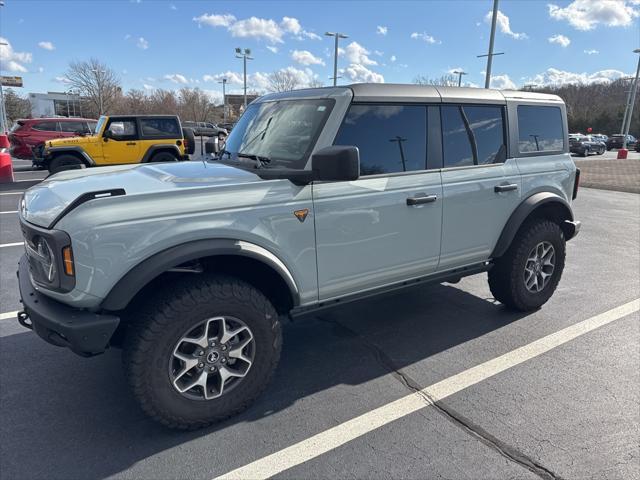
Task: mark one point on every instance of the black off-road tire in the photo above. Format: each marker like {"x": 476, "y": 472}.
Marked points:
{"x": 163, "y": 157}
{"x": 506, "y": 278}
{"x": 190, "y": 140}
{"x": 64, "y": 162}
{"x": 160, "y": 322}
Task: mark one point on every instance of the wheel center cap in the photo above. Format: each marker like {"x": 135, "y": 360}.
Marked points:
{"x": 213, "y": 357}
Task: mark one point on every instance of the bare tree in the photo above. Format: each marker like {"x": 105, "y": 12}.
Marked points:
{"x": 283, "y": 81}
{"x": 96, "y": 82}
{"x": 16, "y": 106}
{"x": 448, "y": 80}
{"x": 316, "y": 84}
{"x": 195, "y": 105}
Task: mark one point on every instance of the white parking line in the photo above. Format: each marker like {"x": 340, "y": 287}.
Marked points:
{"x": 11, "y": 193}
{"x": 5, "y": 316}
{"x": 333, "y": 438}
{"x": 3, "y": 245}
{"x": 9, "y": 211}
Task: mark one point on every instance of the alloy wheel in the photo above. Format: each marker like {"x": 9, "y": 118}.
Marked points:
{"x": 539, "y": 267}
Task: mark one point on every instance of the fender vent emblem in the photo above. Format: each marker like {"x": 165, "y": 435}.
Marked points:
{"x": 301, "y": 214}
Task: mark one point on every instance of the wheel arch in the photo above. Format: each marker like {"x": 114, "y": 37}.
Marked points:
{"x": 539, "y": 205}
{"x": 153, "y": 149}
{"x": 75, "y": 151}
{"x": 247, "y": 261}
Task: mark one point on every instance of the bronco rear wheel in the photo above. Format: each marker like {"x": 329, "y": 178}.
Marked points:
{"x": 65, "y": 162}
{"x": 202, "y": 351}
{"x": 526, "y": 276}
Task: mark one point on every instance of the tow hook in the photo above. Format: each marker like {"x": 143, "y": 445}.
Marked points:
{"x": 24, "y": 320}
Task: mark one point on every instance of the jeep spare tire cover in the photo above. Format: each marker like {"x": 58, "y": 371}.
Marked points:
{"x": 190, "y": 139}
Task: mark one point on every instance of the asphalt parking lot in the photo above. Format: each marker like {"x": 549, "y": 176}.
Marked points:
{"x": 437, "y": 382}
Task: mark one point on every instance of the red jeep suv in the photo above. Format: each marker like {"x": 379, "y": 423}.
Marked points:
{"x": 32, "y": 132}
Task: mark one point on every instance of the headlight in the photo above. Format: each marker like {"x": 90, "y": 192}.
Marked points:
{"x": 43, "y": 258}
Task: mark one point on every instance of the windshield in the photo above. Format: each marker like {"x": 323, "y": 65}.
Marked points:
{"x": 283, "y": 132}
{"x": 99, "y": 125}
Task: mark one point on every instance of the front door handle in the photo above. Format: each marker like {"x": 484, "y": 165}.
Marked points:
{"x": 505, "y": 188}
{"x": 132, "y": 143}
{"x": 420, "y": 199}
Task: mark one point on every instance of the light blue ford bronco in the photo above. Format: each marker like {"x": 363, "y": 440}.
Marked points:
{"x": 318, "y": 197}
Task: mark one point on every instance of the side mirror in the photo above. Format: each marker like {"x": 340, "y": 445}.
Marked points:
{"x": 336, "y": 163}
{"x": 107, "y": 134}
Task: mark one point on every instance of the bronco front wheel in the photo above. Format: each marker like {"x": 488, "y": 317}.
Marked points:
{"x": 202, "y": 352}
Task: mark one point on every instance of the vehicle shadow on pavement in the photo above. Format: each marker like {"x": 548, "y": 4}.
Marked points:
{"x": 67, "y": 417}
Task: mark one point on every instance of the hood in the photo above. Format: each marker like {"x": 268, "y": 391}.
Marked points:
{"x": 45, "y": 202}
{"x": 60, "y": 142}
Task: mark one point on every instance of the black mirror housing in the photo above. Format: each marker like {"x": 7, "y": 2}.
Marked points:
{"x": 336, "y": 163}
{"x": 211, "y": 147}
{"x": 107, "y": 134}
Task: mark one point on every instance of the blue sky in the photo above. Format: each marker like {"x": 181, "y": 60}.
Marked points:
{"x": 171, "y": 44}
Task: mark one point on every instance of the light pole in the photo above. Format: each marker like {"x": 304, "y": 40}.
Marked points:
{"x": 460, "y": 73}
{"x": 399, "y": 139}
{"x": 99, "y": 81}
{"x": 244, "y": 54}
{"x": 66, "y": 94}
{"x": 224, "y": 99}
{"x": 634, "y": 89}
{"x": 3, "y": 112}
{"x": 490, "y": 55}
{"x": 337, "y": 36}
{"x": 626, "y": 103}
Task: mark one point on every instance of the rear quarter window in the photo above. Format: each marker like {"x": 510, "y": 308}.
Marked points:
{"x": 160, "y": 127}
{"x": 540, "y": 129}
{"x": 45, "y": 126}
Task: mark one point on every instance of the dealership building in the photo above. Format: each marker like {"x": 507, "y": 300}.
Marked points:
{"x": 52, "y": 104}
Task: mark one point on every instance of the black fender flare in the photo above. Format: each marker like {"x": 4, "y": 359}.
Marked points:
{"x": 71, "y": 149}
{"x": 529, "y": 206}
{"x": 147, "y": 270}
{"x": 162, "y": 146}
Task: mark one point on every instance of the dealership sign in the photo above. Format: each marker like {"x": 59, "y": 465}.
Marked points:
{"x": 11, "y": 81}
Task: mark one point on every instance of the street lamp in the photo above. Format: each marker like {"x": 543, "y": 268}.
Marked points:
{"x": 634, "y": 89}
{"x": 460, "y": 73}
{"x": 490, "y": 55}
{"x": 3, "y": 113}
{"x": 244, "y": 54}
{"x": 223, "y": 81}
{"x": 337, "y": 36}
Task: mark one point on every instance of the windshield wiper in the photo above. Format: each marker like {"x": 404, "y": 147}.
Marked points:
{"x": 260, "y": 161}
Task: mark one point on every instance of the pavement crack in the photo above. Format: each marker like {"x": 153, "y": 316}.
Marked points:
{"x": 454, "y": 417}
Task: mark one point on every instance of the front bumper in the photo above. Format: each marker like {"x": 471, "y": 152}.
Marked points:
{"x": 85, "y": 333}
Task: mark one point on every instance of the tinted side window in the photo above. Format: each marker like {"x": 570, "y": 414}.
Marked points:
{"x": 540, "y": 129}
{"x": 45, "y": 126}
{"x": 160, "y": 127}
{"x": 488, "y": 130}
{"x": 456, "y": 138}
{"x": 391, "y": 138}
{"x": 73, "y": 127}
{"x": 91, "y": 126}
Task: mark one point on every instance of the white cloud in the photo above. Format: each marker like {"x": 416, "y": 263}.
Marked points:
{"x": 40, "y": 69}
{"x": 378, "y": 53}
{"x": 173, "y": 7}
{"x": 11, "y": 60}
{"x": 259, "y": 81}
{"x": 62, "y": 79}
{"x": 258, "y": 28}
{"x": 591, "y": 52}
{"x": 560, "y": 40}
{"x": 176, "y": 78}
{"x": 381, "y": 30}
{"x": 146, "y": 86}
{"x": 46, "y": 45}
{"x": 452, "y": 71}
{"x": 554, "y": 76}
{"x": 588, "y": 14}
{"x": 213, "y": 20}
{"x": 361, "y": 74}
{"x": 502, "y": 82}
{"x": 232, "y": 77}
{"x": 304, "y": 57}
{"x": 356, "y": 53}
{"x": 393, "y": 58}
{"x": 127, "y": 36}
{"x": 272, "y": 49}
{"x": 291, "y": 25}
{"x": 503, "y": 23}
{"x": 142, "y": 43}
{"x": 426, "y": 37}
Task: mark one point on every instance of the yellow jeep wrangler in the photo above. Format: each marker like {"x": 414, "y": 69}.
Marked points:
{"x": 120, "y": 139}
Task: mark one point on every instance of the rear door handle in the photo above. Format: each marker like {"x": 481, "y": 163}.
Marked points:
{"x": 505, "y": 188}
{"x": 420, "y": 199}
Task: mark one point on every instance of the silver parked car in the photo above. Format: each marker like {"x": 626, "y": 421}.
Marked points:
{"x": 318, "y": 197}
